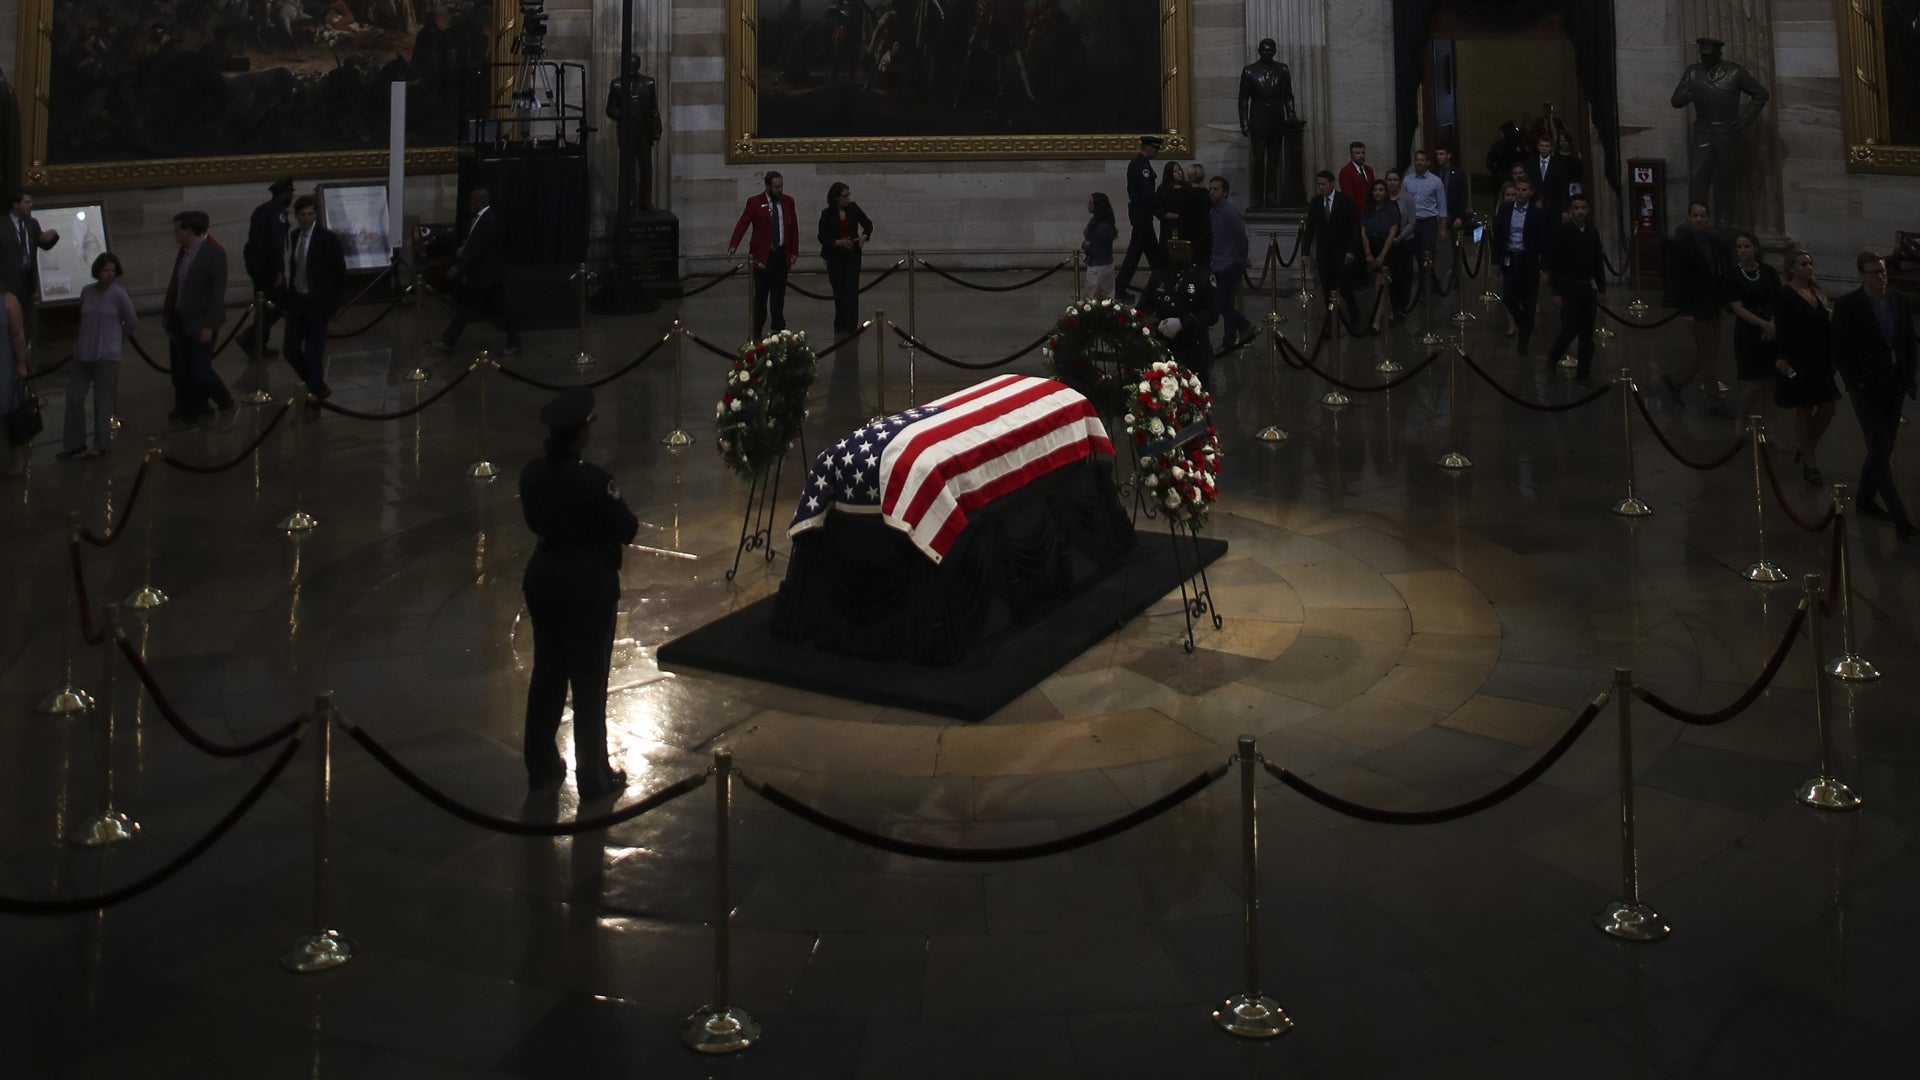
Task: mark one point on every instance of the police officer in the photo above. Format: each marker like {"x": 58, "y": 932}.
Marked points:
{"x": 572, "y": 586}
{"x": 1182, "y": 297}
{"x": 1140, "y": 199}
{"x": 265, "y": 250}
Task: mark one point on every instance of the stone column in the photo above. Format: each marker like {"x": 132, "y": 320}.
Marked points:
{"x": 1747, "y": 28}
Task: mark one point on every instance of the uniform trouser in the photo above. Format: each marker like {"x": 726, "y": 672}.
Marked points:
{"x": 843, "y": 273}
{"x": 1226, "y": 289}
{"x": 306, "y": 344}
{"x": 100, "y": 375}
{"x": 1879, "y": 415}
{"x": 1578, "y": 306}
{"x": 572, "y": 646}
{"x": 485, "y": 302}
{"x": 1143, "y": 243}
{"x": 1520, "y": 292}
{"x": 770, "y": 293}
{"x": 195, "y": 383}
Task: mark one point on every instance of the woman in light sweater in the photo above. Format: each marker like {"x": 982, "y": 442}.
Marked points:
{"x": 106, "y": 320}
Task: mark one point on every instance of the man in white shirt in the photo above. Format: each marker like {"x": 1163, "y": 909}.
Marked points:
{"x": 1429, "y": 211}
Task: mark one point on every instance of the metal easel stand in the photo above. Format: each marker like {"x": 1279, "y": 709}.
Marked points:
{"x": 756, "y": 521}
{"x": 1196, "y": 596}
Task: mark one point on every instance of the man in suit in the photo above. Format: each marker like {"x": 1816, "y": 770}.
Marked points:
{"x": 21, "y": 238}
{"x": 1555, "y": 176}
{"x": 479, "y": 269}
{"x": 194, "y": 309}
{"x": 1699, "y": 268}
{"x": 1144, "y": 240}
{"x": 1331, "y": 238}
{"x": 316, "y": 270}
{"x": 1519, "y": 247}
{"x": 1356, "y": 176}
{"x": 1455, "y": 182}
{"x": 774, "y": 246}
{"x": 1578, "y": 276}
{"x": 1873, "y": 349}
{"x": 265, "y": 252}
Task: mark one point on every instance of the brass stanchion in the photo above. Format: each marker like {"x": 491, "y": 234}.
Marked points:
{"x": 913, "y": 325}
{"x": 880, "y": 363}
{"x": 325, "y": 948}
{"x": 721, "y": 1027}
{"x": 418, "y": 290}
{"x": 1824, "y": 791}
{"x": 68, "y": 699}
{"x": 1631, "y": 506}
{"x": 1454, "y": 459}
{"x": 1306, "y": 300}
{"x": 678, "y": 437}
{"x": 1627, "y": 918}
{"x": 299, "y": 521}
{"x": 1273, "y": 282}
{"x": 148, "y": 596}
{"x": 1636, "y": 307}
{"x": 1273, "y": 433}
{"x": 1250, "y": 1013}
{"x": 1762, "y": 570}
{"x": 1428, "y": 335}
{"x": 1849, "y": 666}
{"x": 1079, "y": 259}
{"x": 582, "y": 358}
{"x": 1334, "y": 398}
{"x": 753, "y": 287}
{"x": 260, "y": 394}
{"x": 1567, "y": 362}
{"x": 1387, "y": 365}
{"x": 482, "y": 467}
{"x": 109, "y": 826}
{"x": 1461, "y": 316}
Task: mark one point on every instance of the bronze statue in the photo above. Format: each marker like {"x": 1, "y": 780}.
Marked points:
{"x": 1266, "y": 108}
{"x": 1714, "y": 87}
{"x": 633, "y": 104}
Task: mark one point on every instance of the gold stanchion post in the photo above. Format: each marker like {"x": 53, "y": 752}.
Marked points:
{"x": 482, "y": 467}
{"x": 260, "y": 394}
{"x": 1334, "y": 398}
{"x": 880, "y": 362}
{"x": 109, "y": 826}
{"x": 1762, "y": 570}
{"x": 1824, "y": 791}
{"x": 298, "y": 520}
{"x": 1250, "y": 1014}
{"x": 583, "y": 358}
{"x": 678, "y": 437}
{"x": 1079, "y": 268}
{"x": 418, "y": 291}
{"x": 1273, "y": 282}
{"x": 721, "y": 1027}
{"x": 1631, "y": 506}
{"x": 913, "y": 326}
{"x": 1461, "y": 316}
{"x": 148, "y": 596}
{"x": 1306, "y": 302}
{"x": 1849, "y": 666}
{"x": 68, "y": 699}
{"x": 1627, "y": 918}
{"x": 1273, "y": 433}
{"x": 325, "y": 948}
{"x": 1428, "y": 335}
{"x": 1636, "y": 307}
{"x": 1454, "y": 459}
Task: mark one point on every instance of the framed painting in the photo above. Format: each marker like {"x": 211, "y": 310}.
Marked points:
{"x": 896, "y": 80}
{"x": 357, "y": 214}
{"x": 130, "y": 93}
{"x": 67, "y": 267}
{"x": 1880, "y": 84}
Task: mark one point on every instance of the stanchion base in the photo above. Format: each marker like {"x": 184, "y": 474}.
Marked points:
{"x": 108, "y": 827}
{"x": 65, "y": 701}
{"x": 1334, "y": 399}
{"x": 1852, "y": 668}
{"x": 1489, "y": 297}
{"x": 1462, "y": 318}
{"x": 1431, "y": 338}
{"x": 416, "y": 375}
{"x": 1637, "y": 307}
{"x": 1388, "y": 367}
{"x": 258, "y": 397}
{"x": 582, "y": 359}
{"x": 482, "y": 470}
{"x": 676, "y": 437}
{"x": 146, "y": 598}
{"x": 113, "y": 423}
{"x": 1632, "y": 507}
{"x": 714, "y": 1030}
{"x": 321, "y": 952}
{"x": 1604, "y": 334}
{"x": 1720, "y": 388}
{"x": 1568, "y": 362}
{"x": 1252, "y": 1016}
{"x": 1764, "y": 571}
{"x": 1454, "y": 459}
{"x": 1271, "y": 434}
{"x": 1827, "y": 793}
{"x": 298, "y": 522}
{"x": 1630, "y": 922}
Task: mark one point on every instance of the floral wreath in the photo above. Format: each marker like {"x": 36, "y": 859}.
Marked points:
{"x": 1123, "y": 338}
{"x": 759, "y": 415}
{"x": 1180, "y": 482}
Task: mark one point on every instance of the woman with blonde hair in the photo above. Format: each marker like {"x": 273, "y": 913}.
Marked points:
{"x": 1804, "y": 361}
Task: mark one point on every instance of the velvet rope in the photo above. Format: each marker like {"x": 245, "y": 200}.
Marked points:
{"x": 371, "y": 323}
{"x": 987, "y": 365}
{"x": 943, "y": 853}
{"x": 141, "y": 351}
{"x": 1479, "y": 263}
{"x": 401, "y": 414}
{"x": 1780, "y": 496}
{"x": 1035, "y": 280}
{"x": 1624, "y": 321}
{"x": 174, "y": 720}
{"x": 1458, "y": 810}
{"x": 1739, "y": 442}
{"x": 510, "y": 826}
{"x": 1398, "y": 380}
{"x": 717, "y": 279}
{"x": 726, "y": 354}
{"x": 50, "y": 368}
{"x": 1380, "y": 295}
{"x": 877, "y": 279}
{"x": 1523, "y": 402}
{"x": 87, "y": 632}
{"x": 74, "y": 905}
{"x": 848, "y": 340}
{"x": 116, "y": 529}
{"x": 1747, "y": 697}
{"x": 188, "y": 466}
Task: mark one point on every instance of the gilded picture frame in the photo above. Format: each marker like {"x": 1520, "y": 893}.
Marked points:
{"x": 49, "y": 165}
{"x": 1880, "y": 84}
{"x": 995, "y": 86}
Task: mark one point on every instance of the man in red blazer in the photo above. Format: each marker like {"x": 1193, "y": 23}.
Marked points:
{"x": 1356, "y": 177}
{"x": 776, "y": 242}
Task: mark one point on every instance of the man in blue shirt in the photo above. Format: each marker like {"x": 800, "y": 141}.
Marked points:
{"x": 1229, "y": 259}
{"x": 1429, "y": 210}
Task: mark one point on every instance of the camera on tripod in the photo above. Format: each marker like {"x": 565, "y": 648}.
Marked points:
{"x": 532, "y": 42}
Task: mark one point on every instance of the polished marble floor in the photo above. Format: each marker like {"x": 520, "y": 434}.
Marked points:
{"x": 1399, "y": 634}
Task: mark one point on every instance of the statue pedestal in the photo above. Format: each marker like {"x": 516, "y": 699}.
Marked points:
{"x": 651, "y": 253}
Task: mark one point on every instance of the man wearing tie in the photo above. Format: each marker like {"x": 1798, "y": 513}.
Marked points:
{"x": 1356, "y": 177}
{"x": 774, "y": 246}
{"x": 478, "y": 269}
{"x": 315, "y": 269}
{"x": 1330, "y": 236}
{"x": 1519, "y": 243}
{"x": 1556, "y": 177}
{"x": 18, "y": 243}
{"x": 1873, "y": 348}
{"x": 195, "y": 306}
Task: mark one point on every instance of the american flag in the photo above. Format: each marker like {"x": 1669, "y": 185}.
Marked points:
{"x": 925, "y": 469}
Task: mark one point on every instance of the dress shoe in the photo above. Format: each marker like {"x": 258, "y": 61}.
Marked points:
{"x": 68, "y": 452}
{"x": 601, "y": 785}
{"x": 94, "y": 452}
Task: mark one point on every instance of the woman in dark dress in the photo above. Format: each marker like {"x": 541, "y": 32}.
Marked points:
{"x": 1170, "y": 203}
{"x": 844, "y": 232}
{"x": 1380, "y": 226}
{"x": 1756, "y": 288}
{"x": 1804, "y": 366}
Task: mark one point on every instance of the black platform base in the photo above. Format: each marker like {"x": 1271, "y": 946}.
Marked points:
{"x": 997, "y": 671}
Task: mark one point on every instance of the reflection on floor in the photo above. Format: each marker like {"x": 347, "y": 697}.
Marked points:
{"x": 1401, "y": 635}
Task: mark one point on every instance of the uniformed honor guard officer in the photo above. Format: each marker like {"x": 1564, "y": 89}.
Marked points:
{"x": 1182, "y": 298}
{"x": 1140, "y": 196}
{"x": 572, "y": 586}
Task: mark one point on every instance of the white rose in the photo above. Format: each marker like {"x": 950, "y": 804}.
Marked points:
{"x": 1153, "y": 425}
{"x": 1128, "y": 418}
{"x": 1167, "y": 393}
{"x": 1179, "y": 473}
{"x": 1152, "y": 481}
{"x": 736, "y": 404}
{"x": 1173, "y": 500}
{"x": 1146, "y": 388}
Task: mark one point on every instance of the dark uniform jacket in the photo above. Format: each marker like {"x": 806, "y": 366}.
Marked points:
{"x": 1698, "y": 268}
{"x": 1576, "y": 261}
{"x": 582, "y": 523}
{"x": 1187, "y": 295}
{"x": 1866, "y": 360}
{"x": 1141, "y": 183}
{"x": 481, "y": 264}
{"x": 266, "y": 241}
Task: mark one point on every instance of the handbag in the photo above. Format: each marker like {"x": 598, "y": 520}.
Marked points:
{"x": 23, "y": 420}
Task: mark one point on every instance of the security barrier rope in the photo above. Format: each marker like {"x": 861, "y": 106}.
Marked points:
{"x": 50, "y": 368}
{"x": 401, "y": 414}
{"x": 174, "y": 720}
{"x": 1780, "y": 496}
{"x": 877, "y": 279}
{"x": 964, "y": 364}
{"x": 167, "y": 369}
{"x": 272, "y": 422}
{"x": 115, "y": 530}
{"x": 1523, "y": 402}
{"x": 1635, "y": 324}
{"x": 1747, "y": 697}
{"x": 717, "y": 279}
{"x": 371, "y": 323}
{"x": 727, "y": 354}
{"x": 1015, "y": 287}
{"x": 1739, "y": 441}
{"x": 857, "y": 334}
{"x": 1306, "y": 362}
{"x": 80, "y": 596}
